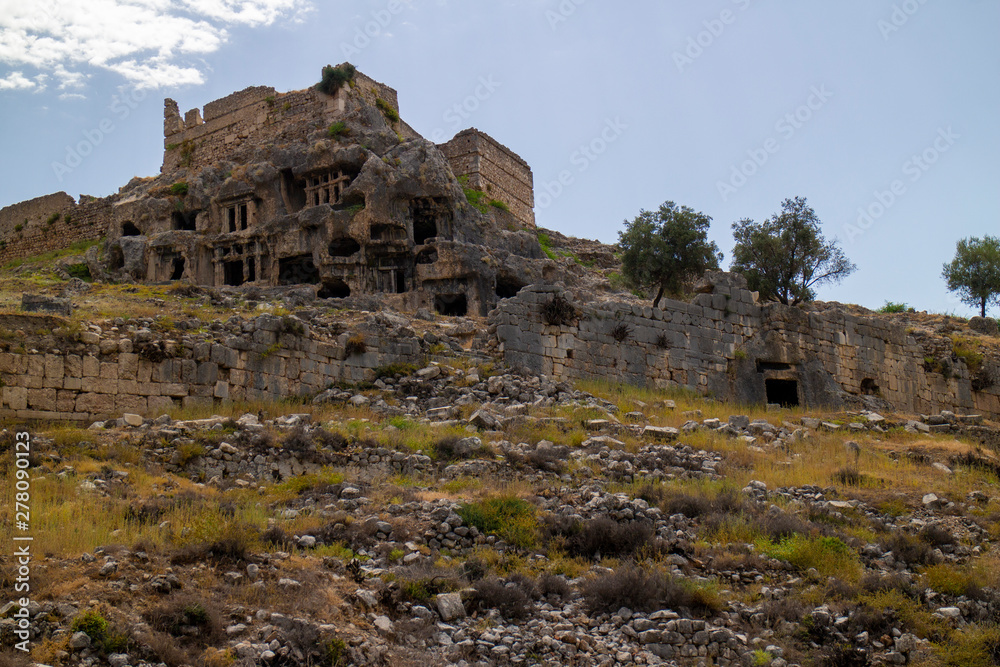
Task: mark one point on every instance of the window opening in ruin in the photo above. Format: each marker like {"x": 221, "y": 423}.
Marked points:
{"x": 869, "y": 387}
{"x": 429, "y": 215}
{"x": 292, "y": 192}
{"x": 128, "y": 229}
{"x": 343, "y": 247}
{"x": 184, "y": 221}
{"x": 507, "y": 288}
{"x": 427, "y": 256}
{"x": 326, "y": 188}
{"x": 452, "y": 305}
{"x": 400, "y": 282}
{"x": 334, "y": 289}
{"x": 178, "y": 270}
{"x": 238, "y": 215}
{"x": 783, "y": 392}
{"x": 251, "y": 269}
{"x": 297, "y": 269}
{"x": 233, "y": 272}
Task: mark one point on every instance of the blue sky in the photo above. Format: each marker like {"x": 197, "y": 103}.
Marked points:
{"x": 882, "y": 113}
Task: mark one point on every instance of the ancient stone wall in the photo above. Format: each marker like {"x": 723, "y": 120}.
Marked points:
{"x": 494, "y": 169}
{"x": 252, "y": 117}
{"x": 107, "y": 374}
{"x": 47, "y": 223}
{"x": 725, "y": 344}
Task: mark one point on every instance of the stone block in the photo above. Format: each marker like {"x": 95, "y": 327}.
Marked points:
{"x": 73, "y": 366}
{"x": 128, "y": 365}
{"x": 96, "y": 404}
{"x": 42, "y": 399}
{"x": 54, "y": 366}
{"x": 128, "y": 403}
{"x": 173, "y": 389}
{"x": 91, "y": 367}
{"x": 159, "y": 404}
{"x": 15, "y": 398}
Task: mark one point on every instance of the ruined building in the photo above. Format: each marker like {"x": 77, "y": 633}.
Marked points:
{"x": 329, "y": 190}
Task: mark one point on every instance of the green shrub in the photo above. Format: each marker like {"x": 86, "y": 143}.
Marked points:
{"x": 335, "y": 77}
{"x": 387, "y": 109}
{"x": 545, "y": 241}
{"x": 891, "y": 307}
{"x": 336, "y": 652}
{"x": 968, "y": 351}
{"x": 92, "y": 623}
{"x": 828, "y": 555}
{"x": 180, "y": 188}
{"x": 338, "y": 129}
{"x": 475, "y": 198}
{"x": 973, "y": 646}
{"x": 18, "y": 227}
{"x": 496, "y": 203}
{"x": 512, "y": 518}
{"x": 81, "y": 271}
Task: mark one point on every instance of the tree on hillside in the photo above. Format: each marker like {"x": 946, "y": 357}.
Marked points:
{"x": 666, "y": 249}
{"x": 975, "y": 272}
{"x": 786, "y": 256}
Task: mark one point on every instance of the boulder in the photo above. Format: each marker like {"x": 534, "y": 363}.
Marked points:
{"x": 450, "y": 607}
{"x": 38, "y": 303}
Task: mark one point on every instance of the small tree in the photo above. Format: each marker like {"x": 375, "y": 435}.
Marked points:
{"x": 975, "y": 272}
{"x": 786, "y": 256}
{"x": 666, "y": 249}
{"x": 335, "y": 77}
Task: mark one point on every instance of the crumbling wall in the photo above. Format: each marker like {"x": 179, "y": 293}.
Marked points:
{"x": 110, "y": 374}
{"x": 50, "y": 222}
{"x": 725, "y": 344}
{"x": 231, "y": 127}
{"x": 494, "y": 169}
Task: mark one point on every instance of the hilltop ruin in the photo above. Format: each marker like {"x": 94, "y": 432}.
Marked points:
{"x": 330, "y": 190}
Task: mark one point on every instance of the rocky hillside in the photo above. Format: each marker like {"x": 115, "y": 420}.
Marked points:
{"x": 454, "y": 513}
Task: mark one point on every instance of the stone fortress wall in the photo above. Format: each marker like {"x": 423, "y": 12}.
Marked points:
{"x": 50, "y": 222}
{"x": 255, "y": 116}
{"x": 494, "y": 169}
{"x": 113, "y": 372}
{"x": 727, "y": 345}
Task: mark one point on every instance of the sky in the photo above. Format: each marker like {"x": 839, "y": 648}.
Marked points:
{"x": 882, "y": 113}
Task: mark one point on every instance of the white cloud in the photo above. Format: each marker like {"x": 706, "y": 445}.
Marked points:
{"x": 151, "y": 43}
{"x": 17, "y": 81}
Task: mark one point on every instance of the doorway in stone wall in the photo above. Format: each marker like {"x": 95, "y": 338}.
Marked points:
{"x": 782, "y": 392}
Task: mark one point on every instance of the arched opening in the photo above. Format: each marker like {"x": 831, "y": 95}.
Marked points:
{"x": 782, "y": 392}
{"x": 869, "y": 387}
{"x": 343, "y": 247}
{"x": 178, "y": 268}
{"x": 452, "y": 305}
{"x": 429, "y": 215}
{"x": 508, "y": 287}
{"x": 128, "y": 229}
{"x": 334, "y": 289}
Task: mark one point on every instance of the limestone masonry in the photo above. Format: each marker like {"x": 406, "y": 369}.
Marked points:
{"x": 727, "y": 345}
